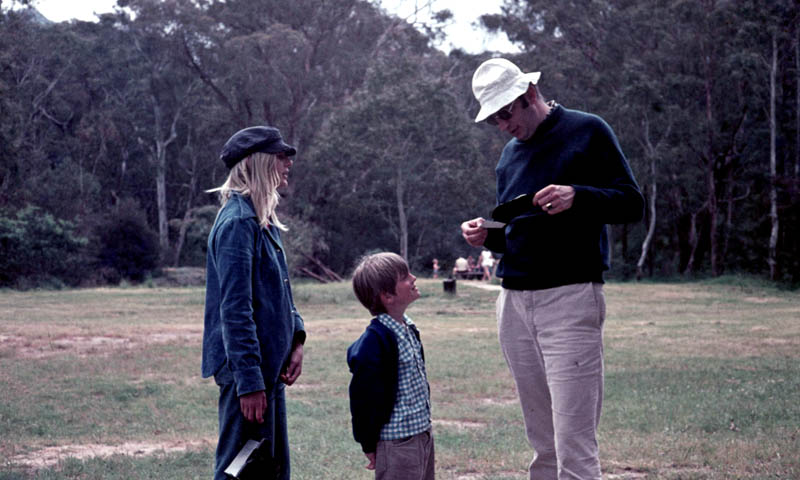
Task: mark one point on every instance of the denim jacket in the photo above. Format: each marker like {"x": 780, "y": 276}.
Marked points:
{"x": 250, "y": 318}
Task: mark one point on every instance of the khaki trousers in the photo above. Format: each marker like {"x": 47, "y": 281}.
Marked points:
{"x": 410, "y": 458}
{"x": 553, "y": 344}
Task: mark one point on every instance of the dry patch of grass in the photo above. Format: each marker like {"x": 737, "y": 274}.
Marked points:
{"x": 704, "y": 321}
{"x": 457, "y": 424}
{"x": 36, "y": 344}
{"x": 101, "y": 307}
{"x": 339, "y": 329}
{"x": 49, "y": 456}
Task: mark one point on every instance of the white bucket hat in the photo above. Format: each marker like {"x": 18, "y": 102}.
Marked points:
{"x": 497, "y": 82}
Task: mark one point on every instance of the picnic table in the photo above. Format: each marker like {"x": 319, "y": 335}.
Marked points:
{"x": 476, "y": 274}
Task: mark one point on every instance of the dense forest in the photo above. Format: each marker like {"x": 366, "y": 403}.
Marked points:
{"x": 111, "y": 130}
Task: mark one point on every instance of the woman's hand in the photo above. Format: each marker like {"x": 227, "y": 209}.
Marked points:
{"x": 294, "y": 368}
{"x": 253, "y": 406}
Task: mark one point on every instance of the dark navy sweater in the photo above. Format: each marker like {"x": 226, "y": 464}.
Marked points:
{"x": 373, "y": 361}
{"x": 543, "y": 251}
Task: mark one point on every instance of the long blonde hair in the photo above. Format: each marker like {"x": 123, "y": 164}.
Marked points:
{"x": 257, "y": 177}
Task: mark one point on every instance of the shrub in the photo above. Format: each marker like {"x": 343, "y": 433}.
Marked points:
{"x": 40, "y": 250}
{"x": 126, "y": 244}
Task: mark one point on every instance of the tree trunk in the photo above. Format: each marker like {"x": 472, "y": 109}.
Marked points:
{"x": 313, "y": 275}
{"x": 189, "y": 213}
{"x": 402, "y": 220}
{"x": 797, "y": 112}
{"x": 692, "y": 244}
{"x": 161, "y": 195}
{"x": 713, "y": 213}
{"x": 652, "y": 153}
{"x": 651, "y": 224}
{"x": 729, "y": 200}
{"x": 710, "y": 164}
{"x": 711, "y": 192}
{"x": 773, "y": 190}
{"x": 330, "y": 274}
{"x": 160, "y": 160}
{"x": 176, "y": 255}
{"x": 187, "y": 219}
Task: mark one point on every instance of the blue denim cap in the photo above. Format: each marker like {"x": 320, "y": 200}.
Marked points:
{"x": 251, "y": 140}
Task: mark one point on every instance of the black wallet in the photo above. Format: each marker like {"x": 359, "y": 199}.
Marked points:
{"x": 521, "y": 205}
{"x": 254, "y": 461}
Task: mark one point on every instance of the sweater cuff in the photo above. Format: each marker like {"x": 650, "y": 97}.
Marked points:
{"x": 248, "y": 380}
{"x": 496, "y": 240}
{"x": 369, "y": 447}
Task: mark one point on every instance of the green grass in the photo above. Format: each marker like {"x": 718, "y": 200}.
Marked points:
{"x": 702, "y": 381}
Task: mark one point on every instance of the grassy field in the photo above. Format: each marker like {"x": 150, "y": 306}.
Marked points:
{"x": 702, "y": 382}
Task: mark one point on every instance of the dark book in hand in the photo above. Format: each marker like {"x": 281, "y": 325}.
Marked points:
{"x": 254, "y": 461}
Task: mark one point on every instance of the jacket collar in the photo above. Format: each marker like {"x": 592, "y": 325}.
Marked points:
{"x": 244, "y": 204}
{"x": 248, "y": 210}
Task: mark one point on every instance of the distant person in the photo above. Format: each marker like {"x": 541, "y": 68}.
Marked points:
{"x": 461, "y": 267}
{"x": 390, "y": 398}
{"x": 253, "y": 336}
{"x": 551, "y": 308}
{"x": 471, "y": 265}
{"x": 486, "y": 262}
{"x": 435, "y": 268}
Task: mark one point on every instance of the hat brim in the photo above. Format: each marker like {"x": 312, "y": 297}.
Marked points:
{"x": 507, "y": 96}
{"x": 278, "y": 147}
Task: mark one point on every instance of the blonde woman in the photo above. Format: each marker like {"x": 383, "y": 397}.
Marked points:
{"x": 253, "y": 336}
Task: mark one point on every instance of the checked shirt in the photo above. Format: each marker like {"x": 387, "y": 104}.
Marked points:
{"x": 412, "y": 409}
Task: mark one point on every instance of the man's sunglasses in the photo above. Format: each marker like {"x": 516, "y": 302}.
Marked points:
{"x": 505, "y": 112}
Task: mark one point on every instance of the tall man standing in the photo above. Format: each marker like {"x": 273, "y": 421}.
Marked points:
{"x": 551, "y": 309}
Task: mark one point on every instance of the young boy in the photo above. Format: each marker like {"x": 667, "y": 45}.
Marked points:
{"x": 390, "y": 398}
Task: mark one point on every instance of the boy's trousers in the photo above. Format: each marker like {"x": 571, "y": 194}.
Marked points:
{"x": 235, "y": 430}
{"x": 552, "y": 340}
{"x": 410, "y": 458}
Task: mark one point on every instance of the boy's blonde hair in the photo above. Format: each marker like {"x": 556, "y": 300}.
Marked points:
{"x": 376, "y": 274}
{"x": 257, "y": 177}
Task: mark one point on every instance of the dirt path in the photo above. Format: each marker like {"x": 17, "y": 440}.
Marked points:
{"x": 479, "y": 284}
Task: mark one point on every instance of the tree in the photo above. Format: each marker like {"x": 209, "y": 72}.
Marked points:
{"x": 285, "y": 64}
{"x": 38, "y": 112}
{"x": 769, "y": 32}
{"x": 170, "y": 89}
{"x": 393, "y": 180}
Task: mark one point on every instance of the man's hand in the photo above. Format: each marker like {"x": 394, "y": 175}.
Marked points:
{"x": 295, "y": 365}
{"x": 554, "y": 198}
{"x": 473, "y": 233}
{"x": 253, "y": 406}
{"x": 371, "y": 458}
